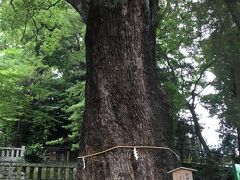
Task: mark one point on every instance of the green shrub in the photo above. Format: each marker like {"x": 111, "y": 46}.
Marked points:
{"x": 34, "y": 153}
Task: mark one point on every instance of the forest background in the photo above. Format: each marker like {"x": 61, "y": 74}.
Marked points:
{"x": 42, "y": 70}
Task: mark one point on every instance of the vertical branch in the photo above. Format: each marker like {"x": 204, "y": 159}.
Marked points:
{"x": 11, "y": 2}
{"x": 197, "y": 128}
{"x": 25, "y": 28}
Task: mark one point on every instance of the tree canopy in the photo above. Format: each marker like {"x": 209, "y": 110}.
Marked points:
{"x": 43, "y": 73}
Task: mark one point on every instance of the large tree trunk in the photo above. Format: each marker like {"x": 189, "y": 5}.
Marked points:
{"x": 234, "y": 9}
{"x": 236, "y": 95}
{"x": 125, "y": 104}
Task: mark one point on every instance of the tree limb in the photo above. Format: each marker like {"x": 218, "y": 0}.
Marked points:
{"x": 47, "y": 8}
{"x": 11, "y": 2}
{"x": 204, "y": 87}
{"x": 25, "y": 28}
{"x": 197, "y": 128}
{"x": 197, "y": 81}
{"x": 36, "y": 27}
{"x": 80, "y": 6}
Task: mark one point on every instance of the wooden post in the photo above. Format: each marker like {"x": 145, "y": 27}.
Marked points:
{"x": 16, "y": 152}
{"x": 19, "y": 172}
{"x": 59, "y": 174}
{"x": 7, "y": 154}
{"x": 35, "y": 173}
{"x": 43, "y": 173}
{"x": 3, "y": 153}
{"x": 28, "y": 171}
{"x": 74, "y": 173}
{"x": 22, "y": 151}
{"x": 11, "y": 153}
{"x": 67, "y": 173}
{"x": 51, "y": 174}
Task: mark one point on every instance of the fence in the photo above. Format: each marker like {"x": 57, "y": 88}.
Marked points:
{"x": 37, "y": 171}
{"x": 11, "y": 154}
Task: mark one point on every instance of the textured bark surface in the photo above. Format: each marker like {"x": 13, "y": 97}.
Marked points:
{"x": 234, "y": 9}
{"x": 236, "y": 95}
{"x": 125, "y": 104}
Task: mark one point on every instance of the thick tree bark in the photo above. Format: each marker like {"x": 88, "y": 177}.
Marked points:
{"x": 236, "y": 95}
{"x": 125, "y": 104}
{"x": 234, "y": 9}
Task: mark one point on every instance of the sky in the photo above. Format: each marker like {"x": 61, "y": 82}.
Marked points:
{"x": 210, "y": 124}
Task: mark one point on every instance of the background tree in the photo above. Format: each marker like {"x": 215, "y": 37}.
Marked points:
{"x": 222, "y": 47}
{"x": 183, "y": 68}
{"x": 55, "y": 51}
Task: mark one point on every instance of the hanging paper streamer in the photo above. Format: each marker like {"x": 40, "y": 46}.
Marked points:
{"x": 84, "y": 163}
{"x": 135, "y": 153}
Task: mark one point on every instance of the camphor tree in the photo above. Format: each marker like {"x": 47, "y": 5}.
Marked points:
{"x": 125, "y": 104}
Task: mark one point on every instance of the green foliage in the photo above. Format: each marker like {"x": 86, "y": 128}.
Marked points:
{"x": 34, "y": 153}
{"x": 14, "y": 68}
{"x": 76, "y": 99}
{"x": 180, "y": 59}
{"x": 45, "y": 41}
{"x": 222, "y": 47}
{"x": 216, "y": 170}
{"x": 42, "y": 69}
{"x": 177, "y": 101}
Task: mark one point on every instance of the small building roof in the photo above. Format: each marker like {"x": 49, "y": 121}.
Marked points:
{"x": 181, "y": 168}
